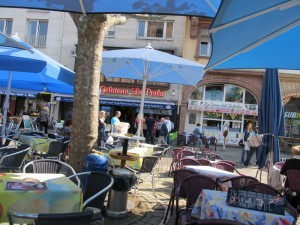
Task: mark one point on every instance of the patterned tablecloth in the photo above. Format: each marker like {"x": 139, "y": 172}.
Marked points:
{"x": 54, "y": 194}
{"x": 140, "y": 152}
{"x": 214, "y": 173}
{"x": 212, "y": 205}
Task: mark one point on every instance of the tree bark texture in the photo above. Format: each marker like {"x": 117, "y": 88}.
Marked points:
{"x": 91, "y": 30}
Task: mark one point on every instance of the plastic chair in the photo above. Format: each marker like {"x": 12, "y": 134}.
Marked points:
{"x": 199, "y": 181}
{"x": 95, "y": 185}
{"x": 178, "y": 177}
{"x": 13, "y": 159}
{"x": 239, "y": 182}
{"x": 149, "y": 162}
{"x": 78, "y": 218}
{"x": 215, "y": 222}
{"x": 187, "y": 162}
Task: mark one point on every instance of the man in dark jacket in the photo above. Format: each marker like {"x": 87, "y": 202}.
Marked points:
{"x": 150, "y": 122}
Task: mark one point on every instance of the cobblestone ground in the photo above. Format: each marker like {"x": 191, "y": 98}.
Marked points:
{"x": 153, "y": 208}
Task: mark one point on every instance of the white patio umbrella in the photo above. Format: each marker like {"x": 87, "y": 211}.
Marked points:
{"x": 147, "y": 64}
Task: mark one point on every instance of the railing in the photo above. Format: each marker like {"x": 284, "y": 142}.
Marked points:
{"x": 36, "y": 40}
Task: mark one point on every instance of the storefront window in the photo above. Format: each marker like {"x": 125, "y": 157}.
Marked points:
{"x": 212, "y": 115}
{"x": 292, "y": 118}
{"x": 214, "y": 93}
{"x": 249, "y": 98}
{"x": 232, "y": 116}
{"x": 233, "y": 93}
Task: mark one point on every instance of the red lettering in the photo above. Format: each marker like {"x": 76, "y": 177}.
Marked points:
{"x": 134, "y": 91}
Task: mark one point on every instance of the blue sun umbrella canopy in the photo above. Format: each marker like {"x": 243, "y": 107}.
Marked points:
{"x": 271, "y": 115}
{"x": 148, "y": 64}
{"x": 206, "y": 8}
{"x": 256, "y": 34}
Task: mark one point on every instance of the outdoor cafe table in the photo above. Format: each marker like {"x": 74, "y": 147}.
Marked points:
{"x": 214, "y": 173}
{"x": 212, "y": 204}
{"x": 60, "y": 195}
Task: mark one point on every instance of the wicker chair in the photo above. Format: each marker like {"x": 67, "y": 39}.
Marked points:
{"x": 175, "y": 152}
{"x": 185, "y": 153}
{"x": 239, "y": 182}
{"x": 178, "y": 177}
{"x": 204, "y": 162}
{"x": 199, "y": 181}
{"x": 226, "y": 166}
{"x": 230, "y": 162}
{"x": 187, "y": 162}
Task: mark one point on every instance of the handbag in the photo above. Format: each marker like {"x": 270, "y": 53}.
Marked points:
{"x": 241, "y": 143}
{"x": 247, "y": 146}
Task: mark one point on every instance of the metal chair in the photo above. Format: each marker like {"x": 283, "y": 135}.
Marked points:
{"x": 95, "y": 185}
{"x": 13, "y": 159}
{"x": 264, "y": 169}
{"x": 212, "y": 141}
{"x": 178, "y": 177}
{"x": 199, "y": 181}
{"x": 77, "y": 218}
{"x": 149, "y": 162}
{"x": 230, "y": 162}
{"x": 54, "y": 152}
{"x": 204, "y": 162}
{"x": 185, "y": 153}
{"x": 187, "y": 162}
{"x": 175, "y": 152}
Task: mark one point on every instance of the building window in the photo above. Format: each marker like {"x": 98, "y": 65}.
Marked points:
{"x": 192, "y": 118}
{"x": 249, "y": 98}
{"x": 111, "y": 31}
{"x": 198, "y": 94}
{"x": 233, "y": 93}
{"x": 214, "y": 93}
{"x": 37, "y": 33}
{"x": 155, "y": 29}
{"x": 205, "y": 43}
{"x": 6, "y": 26}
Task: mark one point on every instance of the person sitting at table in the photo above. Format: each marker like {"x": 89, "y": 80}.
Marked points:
{"x": 292, "y": 164}
{"x": 66, "y": 130}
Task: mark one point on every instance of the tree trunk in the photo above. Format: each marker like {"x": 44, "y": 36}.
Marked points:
{"x": 91, "y": 34}
{"x": 91, "y": 31}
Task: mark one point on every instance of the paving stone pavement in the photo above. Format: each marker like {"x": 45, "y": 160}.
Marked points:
{"x": 154, "y": 207}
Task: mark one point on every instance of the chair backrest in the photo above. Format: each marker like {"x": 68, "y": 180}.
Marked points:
{"x": 175, "y": 152}
{"x": 293, "y": 177}
{"x": 224, "y": 166}
{"x": 95, "y": 185}
{"x": 199, "y": 181}
{"x": 149, "y": 162}
{"x": 204, "y": 162}
{"x": 77, "y": 218}
{"x": 179, "y": 176}
{"x": 187, "y": 162}
{"x": 262, "y": 188}
{"x": 240, "y": 182}
{"x": 55, "y": 148}
{"x": 185, "y": 153}
{"x": 230, "y": 162}
{"x": 15, "y": 160}
{"x": 42, "y": 166}
{"x": 212, "y": 141}
{"x": 279, "y": 165}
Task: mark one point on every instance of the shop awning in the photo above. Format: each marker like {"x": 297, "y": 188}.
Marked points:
{"x": 129, "y": 102}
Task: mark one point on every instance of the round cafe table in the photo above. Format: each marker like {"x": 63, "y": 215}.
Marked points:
{"x": 123, "y": 155}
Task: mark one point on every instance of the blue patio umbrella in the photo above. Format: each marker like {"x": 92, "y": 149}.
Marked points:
{"x": 148, "y": 64}
{"x": 21, "y": 73}
{"x": 271, "y": 115}
{"x": 258, "y": 35}
{"x": 206, "y": 8}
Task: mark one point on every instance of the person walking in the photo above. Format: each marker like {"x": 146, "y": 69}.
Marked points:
{"x": 163, "y": 132}
{"x": 246, "y": 148}
{"x": 101, "y": 128}
{"x": 169, "y": 127}
{"x": 150, "y": 122}
{"x": 43, "y": 119}
{"x": 198, "y": 134}
{"x": 254, "y": 142}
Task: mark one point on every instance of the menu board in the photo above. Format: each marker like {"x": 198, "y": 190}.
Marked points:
{"x": 255, "y": 201}
{"x": 28, "y": 185}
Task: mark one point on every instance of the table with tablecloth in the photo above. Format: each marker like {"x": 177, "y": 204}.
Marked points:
{"x": 136, "y": 151}
{"x": 214, "y": 173}
{"x": 40, "y": 145}
{"x": 212, "y": 204}
{"x": 58, "y": 195}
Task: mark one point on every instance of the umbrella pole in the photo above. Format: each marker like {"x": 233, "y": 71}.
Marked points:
{"x": 6, "y": 105}
{"x": 141, "y": 114}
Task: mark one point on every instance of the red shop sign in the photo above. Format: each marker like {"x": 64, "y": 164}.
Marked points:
{"x": 130, "y": 91}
